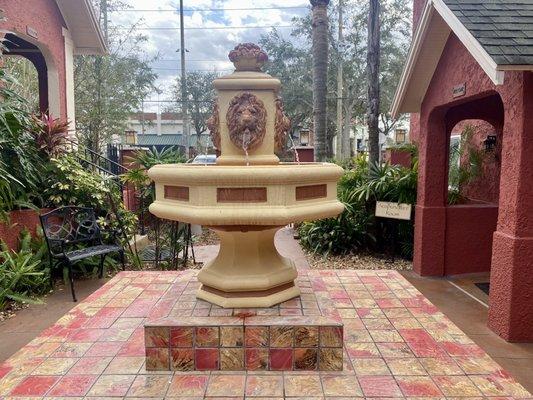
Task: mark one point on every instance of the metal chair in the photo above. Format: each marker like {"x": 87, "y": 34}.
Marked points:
{"x": 72, "y": 234}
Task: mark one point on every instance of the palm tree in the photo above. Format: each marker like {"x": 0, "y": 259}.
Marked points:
{"x": 320, "y": 70}
{"x": 373, "y": 80}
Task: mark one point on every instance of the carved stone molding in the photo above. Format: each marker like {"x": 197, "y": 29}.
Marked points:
{"x": 248, "y": 57}
{"x": 246, "y": 119}
{"x": 213, "y": 124}
{"x": 281, "y": 127}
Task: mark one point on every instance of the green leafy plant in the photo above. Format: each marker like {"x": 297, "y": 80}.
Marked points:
{"x": 72, "y": 184}
{"x": 50, "y": 135}
{"x": 24, "y": 273}
{"x": 21, "y": 164}
{"x": 149, "y": 158}
{"x": 357, "y": 229}
{"x": 466, "y": 165}
{"x": 341, "y": 235}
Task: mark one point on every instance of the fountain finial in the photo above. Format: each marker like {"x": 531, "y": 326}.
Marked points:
{"x": 248, "y": 57}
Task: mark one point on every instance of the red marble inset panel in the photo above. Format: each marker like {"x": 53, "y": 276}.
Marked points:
{"x": 331, "y": 336}
{"x": 256, "y": 359}
{"x": 231, "y": 336}
{"x": 182, "y": 359}
{"x": 207, "y": 336}
{"x": 306, "y": 336}
{"x": 206, "y": 359}
{"x": 256, "y": 336}
{"x": 281, "y": 336}
{"x": 280, "y": 359}
{"x": 157, "y": 359}
{"x": 310, "y": 192}
{"x": 330, "y": 359}
{"x": 181, "y": 337}
{"x": 242, "y": 195}
{"x": 177, "y": 193}
{"x": 306, "y": 359}
{"x": 232, "y": 359}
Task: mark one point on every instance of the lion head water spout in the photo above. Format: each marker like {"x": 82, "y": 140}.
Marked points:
{"x": 248, "y": 195}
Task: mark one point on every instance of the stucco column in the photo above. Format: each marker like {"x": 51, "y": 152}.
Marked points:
{"x": 511, "y": 287}
{"x": 430, "y": 215}
{"x": 69, "y": 82}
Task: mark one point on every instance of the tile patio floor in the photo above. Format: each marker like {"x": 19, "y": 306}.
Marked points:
{"x": 397, "y": 345}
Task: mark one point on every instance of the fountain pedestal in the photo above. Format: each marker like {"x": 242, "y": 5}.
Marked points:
{"x": 249, "y": 194}
{"x": 248, "y": 270}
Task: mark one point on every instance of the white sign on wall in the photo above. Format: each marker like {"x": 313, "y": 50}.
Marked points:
{"x": 386, "y": 209}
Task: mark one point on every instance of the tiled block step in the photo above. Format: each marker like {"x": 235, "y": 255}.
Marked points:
{"x": 275, "y": 343}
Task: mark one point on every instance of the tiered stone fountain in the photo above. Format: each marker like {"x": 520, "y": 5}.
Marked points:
{"x": 249, "y": 194}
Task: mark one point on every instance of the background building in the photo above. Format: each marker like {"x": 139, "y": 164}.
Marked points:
{"x": 162, "y": 130}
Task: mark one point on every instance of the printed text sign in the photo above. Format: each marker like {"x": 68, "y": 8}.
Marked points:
{"x": 386, "y": 209}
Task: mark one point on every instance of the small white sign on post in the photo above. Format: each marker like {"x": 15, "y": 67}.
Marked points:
{"x": 385, "y": 209}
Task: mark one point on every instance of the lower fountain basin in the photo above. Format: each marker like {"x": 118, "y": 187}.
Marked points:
{"x": 255, "y": 195}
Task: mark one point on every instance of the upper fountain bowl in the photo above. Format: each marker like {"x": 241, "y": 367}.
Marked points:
{"x": 246, "y": 196}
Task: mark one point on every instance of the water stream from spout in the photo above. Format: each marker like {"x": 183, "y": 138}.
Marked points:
{"x": 245, "y": 148}
{"x": 294, "y": 149}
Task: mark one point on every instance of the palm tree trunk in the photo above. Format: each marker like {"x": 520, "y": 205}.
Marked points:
{"x": 373, "y": 81}
{"x": 320, "y": 70}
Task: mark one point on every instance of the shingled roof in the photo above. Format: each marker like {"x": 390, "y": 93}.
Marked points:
{"x": 503, "y": 27}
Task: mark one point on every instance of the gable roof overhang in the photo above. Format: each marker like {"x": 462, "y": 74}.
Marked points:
{"x": 83, "y": 26}
{"x": 436, "y": 24}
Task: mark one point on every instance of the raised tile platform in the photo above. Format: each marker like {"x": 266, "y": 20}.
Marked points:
{"x": 396, "y": 345}
{"x": 251, "y": 343}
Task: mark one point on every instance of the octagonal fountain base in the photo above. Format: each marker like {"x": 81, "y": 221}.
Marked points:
{"x": 246, "y": 205}
{"x": 248, "y": 270}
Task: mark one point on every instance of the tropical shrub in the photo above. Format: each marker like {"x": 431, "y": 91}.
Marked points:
{"x": 21, "y": 164}
{"x": 168, "y": 236}
{"x": 72, "y": 184}
{"x": 341, "y": 235}
{"x": 24, "y": 273}
{"x": 356, "y": 228}
{"x": 50, "y": 135}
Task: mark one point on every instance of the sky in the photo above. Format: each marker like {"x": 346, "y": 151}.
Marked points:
{"x": 210, "y": 32}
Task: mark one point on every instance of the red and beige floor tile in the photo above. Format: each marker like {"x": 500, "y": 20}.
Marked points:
{"x": 396, "y": 345}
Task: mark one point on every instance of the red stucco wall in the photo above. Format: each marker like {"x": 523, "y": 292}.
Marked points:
{"x": 486, "y": 187}
{"x": 509, "y": 108}
{"x": 20, "y": 220}
{"x": 398, "y": 157}
{"x": 44, "y": 17}
{"x": 414, "y": 129}
{"x": 469, "y": 230}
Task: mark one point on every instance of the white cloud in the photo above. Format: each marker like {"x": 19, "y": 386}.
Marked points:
{"x": 213, "y": 45}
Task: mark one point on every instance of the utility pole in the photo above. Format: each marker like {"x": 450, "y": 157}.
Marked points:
{"x": 184, "y": 107}
{"x": 104, "y": 16}
{"x": 339, "y": 151}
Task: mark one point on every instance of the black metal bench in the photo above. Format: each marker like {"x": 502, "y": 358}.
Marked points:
{"x": 72, "y": 234}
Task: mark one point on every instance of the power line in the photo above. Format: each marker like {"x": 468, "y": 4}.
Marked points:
{"x": 189, "y": 60}
{"x": 213, "y": 9}
{"x": 208, "y": 27}
{"x": 192, "y": 70}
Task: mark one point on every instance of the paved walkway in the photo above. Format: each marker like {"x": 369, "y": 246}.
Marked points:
{"x": 29, "y": 323}
{"x": 397, "y": 345}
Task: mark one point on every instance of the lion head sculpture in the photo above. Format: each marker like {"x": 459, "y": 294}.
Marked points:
{"x": 281, "y": 126}
{"x": 213, "y": 124}
{"x": 246, "y": 119}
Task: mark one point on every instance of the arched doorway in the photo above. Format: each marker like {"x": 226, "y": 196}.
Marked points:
{"x": 47, "y": 76}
